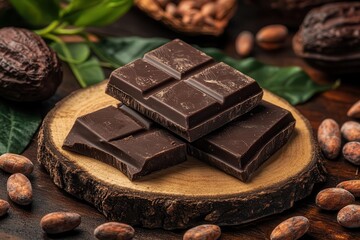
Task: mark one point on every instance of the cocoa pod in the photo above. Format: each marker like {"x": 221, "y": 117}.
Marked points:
{"x": 4, "y": 207}
{"x": 349, "y": 216}
{"x": 114, "y": 231}
{"x": 14, "y": 163}
{"x": 351, "y": 152}
{"x": 203, "y": 232}
{"x": 351, "y": 131}
{"x": 19, "y": 189}
{"x": 329, "y": 37}
{"x": 352, "y": 186}
{"x": 291, "y": 229}
{"x": 329, "y": 138}
{"x": 334, "y": 198}
{"x": 244, "y": 43}
{"x": 29, "y": 69}
{"x": 354, "y": 110}
{"x": 59, "y": 222}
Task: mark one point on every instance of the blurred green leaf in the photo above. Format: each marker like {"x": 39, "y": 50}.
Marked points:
{"x": 84, "y": 13}
{"x": 17, "y": 127}
{"x": 79, "y": 52}
{"x": 291, "y": 83}
{"x": 89, "y": 72}
{"x": 37, "y": 12}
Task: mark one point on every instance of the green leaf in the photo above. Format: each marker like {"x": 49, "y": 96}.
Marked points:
{"x": 291, "y": 83}
{"x": 37, "y": 12}
{"x": 17, "y": 128}
{"x": 84, "y": 13}
{"x": 89, "y": 72}
{"x": 79, "y": 52}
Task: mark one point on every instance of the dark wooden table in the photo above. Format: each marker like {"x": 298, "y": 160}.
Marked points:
{"x": 23, "y": 223}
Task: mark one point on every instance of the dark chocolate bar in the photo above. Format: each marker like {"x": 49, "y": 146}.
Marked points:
{"x": 184, "y": 90}
{"x": 240, "y": 147}
{"x": 127, "y": 141}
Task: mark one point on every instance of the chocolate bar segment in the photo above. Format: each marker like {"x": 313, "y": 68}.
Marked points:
{"x": 184, "y": 90}
{"x": 125, "y": 140}
{"x": 240, "y": 147}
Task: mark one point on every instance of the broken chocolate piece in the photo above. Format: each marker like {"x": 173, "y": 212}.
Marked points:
{"x": 184, "y": 90}
{"x": 125, "y": 140}
{"x": 242, "y": 146}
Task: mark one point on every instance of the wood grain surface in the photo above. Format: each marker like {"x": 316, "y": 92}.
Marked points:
{"x": 23, "y": 223}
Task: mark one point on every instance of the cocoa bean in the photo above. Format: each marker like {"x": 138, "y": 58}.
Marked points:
{"x": 354, "y": 111}
{"x": 14, "y": 163}
{"x": 351, "y": 131}
{"x": 349, "y": 216}
{"x": 59, "y": 222}
{"x": 244, "y": 43}
{"x": 272, "y": 37}
{"x": 208, "y": 9}
{"x": 224, "y": 7}
{"x": 19, "y": 189}
{"x": 197, "y": 19}
{"x": 29, "y": 69}
{"x": 351, "y": 152}
{"x": 4, "y": 207}
{"x": 329, "y": 138}
{"x": 114, "y": 231}
{"x": 291, "y": 229}
{"x": 171, "y": 9}
{"x": 203, "y": 232}
{"x": 185, "y": 6}
{"x": 162, "y": 3}
{"x": 352, "y": 186}
{"x": 334, "y": 198}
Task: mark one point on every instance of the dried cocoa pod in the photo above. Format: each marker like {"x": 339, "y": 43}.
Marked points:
{"x": 29, "y": 69}
{"x": 329, "y": 138}
{"x": 203, "y": 232}
{"x": 114, "y": 231}
{"x": 352, "y": 186}
{"x": 292, "y": 228}
{"x": 354, "y": 111}
{"x": 19, "y": 189}
{"x": 14, "y": 163}
{"x": 334, "y": 198}
{"x": 59, "y": 222}
{"x": 351, "y": 131}
{"x": 244, "y": 43}
{"x": 329, "y": 37}
{"x": 349, "y": 216}
{"x": 351, "y": 152}
{"x": 4, "y": 207}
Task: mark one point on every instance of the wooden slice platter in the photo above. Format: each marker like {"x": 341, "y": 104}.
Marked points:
{"x": 188, "y": 194}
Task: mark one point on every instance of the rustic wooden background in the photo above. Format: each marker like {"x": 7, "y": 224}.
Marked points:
{"x": 23, "y": 223}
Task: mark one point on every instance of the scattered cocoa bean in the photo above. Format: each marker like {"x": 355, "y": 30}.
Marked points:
{"x": 4, "y": 207}
{"x": 334, "y": 198}
{"x": 351, "y": 131}
{"x": 352, "y": 186}
{"x": 203, "y": 232}
{"x": 329, "y": 138}
{"x": 349, "y": 216}
{"x": 14, "y": 163}
{"x": 291, "y": 229}
{"x": 351, "y": 152}
{"x": 272, "y": 37}
{"x": 59, "y": 222}
{"x": 19, "y": 189}
{"x": 244, "y": 43}
{"x": 354, "y": 111}
{"x": 114, "y": 231}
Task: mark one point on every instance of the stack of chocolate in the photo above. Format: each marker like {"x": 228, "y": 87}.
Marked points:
{"x": 175, "y": 101}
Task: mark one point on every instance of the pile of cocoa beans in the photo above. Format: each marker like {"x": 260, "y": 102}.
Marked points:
{"x": 271, "y": 37}
{"x": 201, "y": 12}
